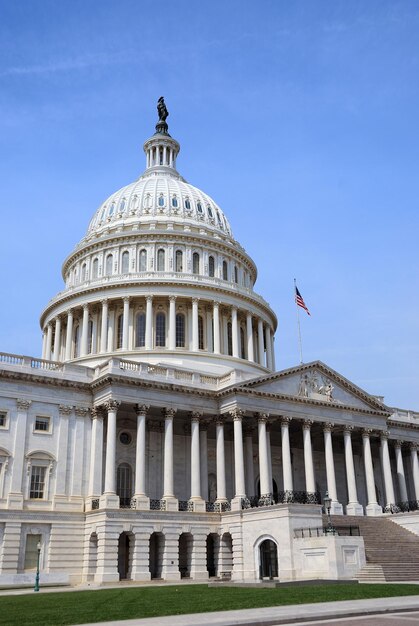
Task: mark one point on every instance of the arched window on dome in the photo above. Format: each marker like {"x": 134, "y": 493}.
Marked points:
{"x": 211, "y": 266}
{"x": 179, "y": 261}
{"x": 242, "y": 343}
{"x": 112, "y": 209}
{"x": 140, "y": 330}
{"x": 119, "y": 329}
{"x": 125, "y": 262}
{"x": 200, "y": 332}
{"x": 210, "y": 214}
{"x": 187, "y": 204}
{"x": 229, "y": 339}
{"x": 161, "y": 200}
{"x": 90, "y": 337}
{"x": 83, "y": 275}
{"x": 122, "y": 205}
{"x": 95, "y": 268}
{"x": 160, "y": 330}
{"x": 219, "y": 220}
{"x": 199, "y": 208}
{"x": 236, "y": 274}
{"x": 102, "y": 214}
{"x": 180, "y": 330}
{"x": 108, "y": 265}
{"x": 76, "y": 342}
{"x": 160, "y": 260}
{"x": 147, "y": 201}
{"x": 143, "y": 260}
{"x": 195, "y": 263}
{"x": 225, "y": 270}
{"x": 175, "y": 203}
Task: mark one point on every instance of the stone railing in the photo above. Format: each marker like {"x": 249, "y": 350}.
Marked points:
{"x": 342, "y": 531}
{"x": 44, "y": 364}
{"x": 282, "y": 497}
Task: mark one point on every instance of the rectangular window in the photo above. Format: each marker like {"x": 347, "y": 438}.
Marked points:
{"x": 37, "y": 489}
{"x": 3, "y": 419}
{"x": 31, "y": 551}
{"x": 42, "y": 424}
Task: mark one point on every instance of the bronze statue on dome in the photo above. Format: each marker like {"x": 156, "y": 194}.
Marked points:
{"x": 162, "y": 109}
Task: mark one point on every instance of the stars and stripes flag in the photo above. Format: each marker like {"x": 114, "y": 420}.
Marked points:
{"x": 299, "y": 301}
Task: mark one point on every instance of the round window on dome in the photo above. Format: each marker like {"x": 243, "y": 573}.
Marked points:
{"x": 125, "y": 438}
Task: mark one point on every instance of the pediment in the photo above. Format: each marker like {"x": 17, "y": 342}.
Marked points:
{"x": 316, "y": 382}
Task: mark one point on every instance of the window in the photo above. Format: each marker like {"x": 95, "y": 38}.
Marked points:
{"x": 90, "y": 337}
{"x": 143, "y": 260}
{"x": 147, "y": 201}
{"x": 200, "y": 332}
{"x": 3, "y": 419}
{"x": 195, "y": 263}
{"x": 125, "y": 262}
{"x": 229, "y": 340}
{"x": 160, "y": 260}
{"x": 37, "y": 489}
{"x": 124, "y": 484}
{"x": 102, "y": 215}
{"x": 76, "y": 342}
{"x": 140, "y": 330}
{"x": 119, "y": 331}
{"x": 180, "y": 330}
{"x": 95, "y": 268}
{"x": 187, "y": 204}
{"x": 122, "y": 206}
{"x": 83, "y": 272}
{"x": 125, "y": 438}
{"x": 42, "y": 424}
{"x": 112, "y": 209}
{"x": 31, "y": 551}
{"x": 174, "y": 202}
{"x": 236, "y": 274}
{"x": 199, "y": 208}
{"x": 160, "y": 330}
{"x": 179, "y": 261}
{"x": 210, "y": 212}
{"x": 108, "y": 266}
{"x": 161, "y": 200}
{"x": 225, "y": 270}
{"x": 242, "y": 344}
{"x": 211, "y": 266}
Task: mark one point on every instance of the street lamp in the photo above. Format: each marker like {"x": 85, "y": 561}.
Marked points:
{"x": 38, "y": 547}
{"x": 327, "y": 501}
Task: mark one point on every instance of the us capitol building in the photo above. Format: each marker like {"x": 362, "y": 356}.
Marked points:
{"x": 154, "y": 439}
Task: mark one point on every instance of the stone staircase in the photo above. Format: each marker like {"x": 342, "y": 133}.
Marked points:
{"x": 392, "y": 552}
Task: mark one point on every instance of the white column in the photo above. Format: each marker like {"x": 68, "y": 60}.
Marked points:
{"x": 196, "y": 498}
{"x": 125, "y": 324}
{"x": 268, "y": 444}
{"x": 142, "y": 500}
{"x": 49, "y": 342}
{"x": 104, "y": 327}
{"x": 95, "y": 332}
{"x": 111, "y": 328}
{"x": 336, "y": 507}
{"x": 84, "y": 330}
{"x": 203, "y": 443}
{"x": 237, "y": 416}
{"x": 286, "y": 454}
{"x": 415, "y": 468}
{"x": 110, "y": 470}
{"x": 96, "y": 453}
{"x": 44, "y": 343}
{"x": 235, "y": 332}
{"x": 268, "y": 348}
{"x": 373, "y": 508}
{"x": 401, "y": 478}
{"x": 388, "y": 479}
{"x": 15, "y": 495}
{"x": 168, "y": 491}
{"x": 172, "y": 322}
{"x": 261, "y": 344}
{"x": 209, "y": 333}
{"x": 216, "y": 324}
{"x": 273, "y": 353}
{"x": 265, "y": 487}
{"x": 248, "y": 455}
{"x": 249, "y": 332}
{"x": 221, "y": 464}
{"x": 195, "y": 338}
{"x": 353, "y": 507}
{"x": 149, "y": 323}
{"x": 69, "y": 335}
{"x": 308, "y": 457}
{"x": 57, "y": 340}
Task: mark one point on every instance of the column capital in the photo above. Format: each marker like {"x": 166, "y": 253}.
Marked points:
{"x": 348, "y": 429}
{"x": 216, "y": 304}
{"x": 169, "y": 413}
{"x": 22, "y": 404}
{"x": 81, "y": 411}
{"x": 398, "y": 443}
{"x": 262, "y": 417}
{"x": 413, "y": 446}
{"x": 220, "y": 420}
{"x": 112, "y": 405}
{"x": 69, "y": 312}
{"x": 285, "y": 420}
{"x": 141, "y": 409}
{"x": 172, "y": 298}
{"x": 196, "y": 416}
{"x": 126, "y": 298}
{"x": 149, "y": 298}
{"x": 384, "y": 434}
{"x": 328, "y": 427}
{"x": 195, "y": 300}
{"x": 64, "y": 409}
{"x": 237, "y": 414}
{"x": 104, "y": 301}
{"x": 367, "y": 432}
{"x": 85, "y": 306}
{"x": 307, "y": 424}
{"x": 96, "y": 412}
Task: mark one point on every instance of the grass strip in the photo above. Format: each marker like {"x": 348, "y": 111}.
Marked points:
{"x": 82, "y": 607}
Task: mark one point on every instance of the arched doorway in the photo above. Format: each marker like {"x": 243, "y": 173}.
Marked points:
{"x": 156, "y": 554}
{"x": 213, "y": 542}
{"x": 124, "y": 556}
{"x": 185, "y": 554}
{"x": 268, "y": 559}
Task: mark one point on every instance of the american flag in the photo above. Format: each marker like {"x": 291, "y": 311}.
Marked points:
{"x": 299, "y": 301}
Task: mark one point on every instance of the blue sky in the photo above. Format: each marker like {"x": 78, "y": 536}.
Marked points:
{"x": 299, "y": 118}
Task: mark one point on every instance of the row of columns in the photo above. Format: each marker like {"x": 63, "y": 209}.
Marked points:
{"x": 199, "y": 485}
{"x": 107, "y": 332}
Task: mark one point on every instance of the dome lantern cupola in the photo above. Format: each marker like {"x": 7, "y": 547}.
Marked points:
{"x": 161, "y": 149}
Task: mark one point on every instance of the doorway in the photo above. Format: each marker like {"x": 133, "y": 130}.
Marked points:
{"x": 268, "y": 558}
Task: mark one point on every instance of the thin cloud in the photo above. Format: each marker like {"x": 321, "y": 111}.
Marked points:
{"x": 66, "y": 65}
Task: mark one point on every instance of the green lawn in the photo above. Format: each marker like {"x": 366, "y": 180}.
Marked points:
{"x": 79, "y": 607}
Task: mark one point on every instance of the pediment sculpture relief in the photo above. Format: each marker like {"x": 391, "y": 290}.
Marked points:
{"x": 315, "y": 387}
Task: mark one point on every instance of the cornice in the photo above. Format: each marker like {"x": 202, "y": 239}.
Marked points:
{"x": 405, "y": 425}
{"x": 46, "y": 381}
{"x": 109, "y": 379}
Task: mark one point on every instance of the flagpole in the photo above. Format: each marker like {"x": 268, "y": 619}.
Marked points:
{"x": 298, "y": 323}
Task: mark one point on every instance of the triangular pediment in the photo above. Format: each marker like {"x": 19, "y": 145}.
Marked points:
{"x": 316, "y": 382}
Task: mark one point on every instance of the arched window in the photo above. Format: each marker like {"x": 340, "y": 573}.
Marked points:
{"x": 242, "y": 344}
{"x": 140, "y": 330}
{"x": 124, "y": 484}
{"x": 199, "y": 208}
{"x": 229, "y": 339}
{"x": 147, "y": 201}
{"x": 200, "y": 332}
{"x": 119, "y": 328}
{"x": 225, "y": 270}
{"x": 90, "y": 337}
{"x": 236, "y": 274}
{"x": 180, "y": 330}
{"x": 160, "y": 260}
{"x": 179, "y": 261}
{"x": 210, "y": 212}
{"x": 125, "y": 262}
{"x": 102, "y": 215}
{"x": 174, "y": 202}
{"x": 195, "y": 263}
{"x": 122, "y": 206}
{"x": 112, "y": 209}
{"x": 95, "y": 268}
{"x": 187, "y": 204}
{"x": 161, "y": 200}
{"x": 160, "y": 330}
{"x": 143, "y": 261}
{"x": 211, "y": 266}
{"x": 76, "y": 341}
{"x": 83, "y": 275}
{"x": 108, "y": 266}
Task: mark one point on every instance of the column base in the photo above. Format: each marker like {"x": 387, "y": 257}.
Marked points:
{"x": 354, "y": 508}
{"x": 336, "y": 508}
{"x": 142, "y": 502}
{"x": 109, "y": 501}
{"x": 15, "y": 501}
{"x": 198, "y": 505}
{"x": 374, "y": 510}
{"x": 106, "y": 578}
{"x": 141, "y": 576}
{"x": 171, "y": 503}
{"x": 236, "y": 503}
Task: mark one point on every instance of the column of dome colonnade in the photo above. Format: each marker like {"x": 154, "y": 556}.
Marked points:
{"x": 130, "y": 323}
